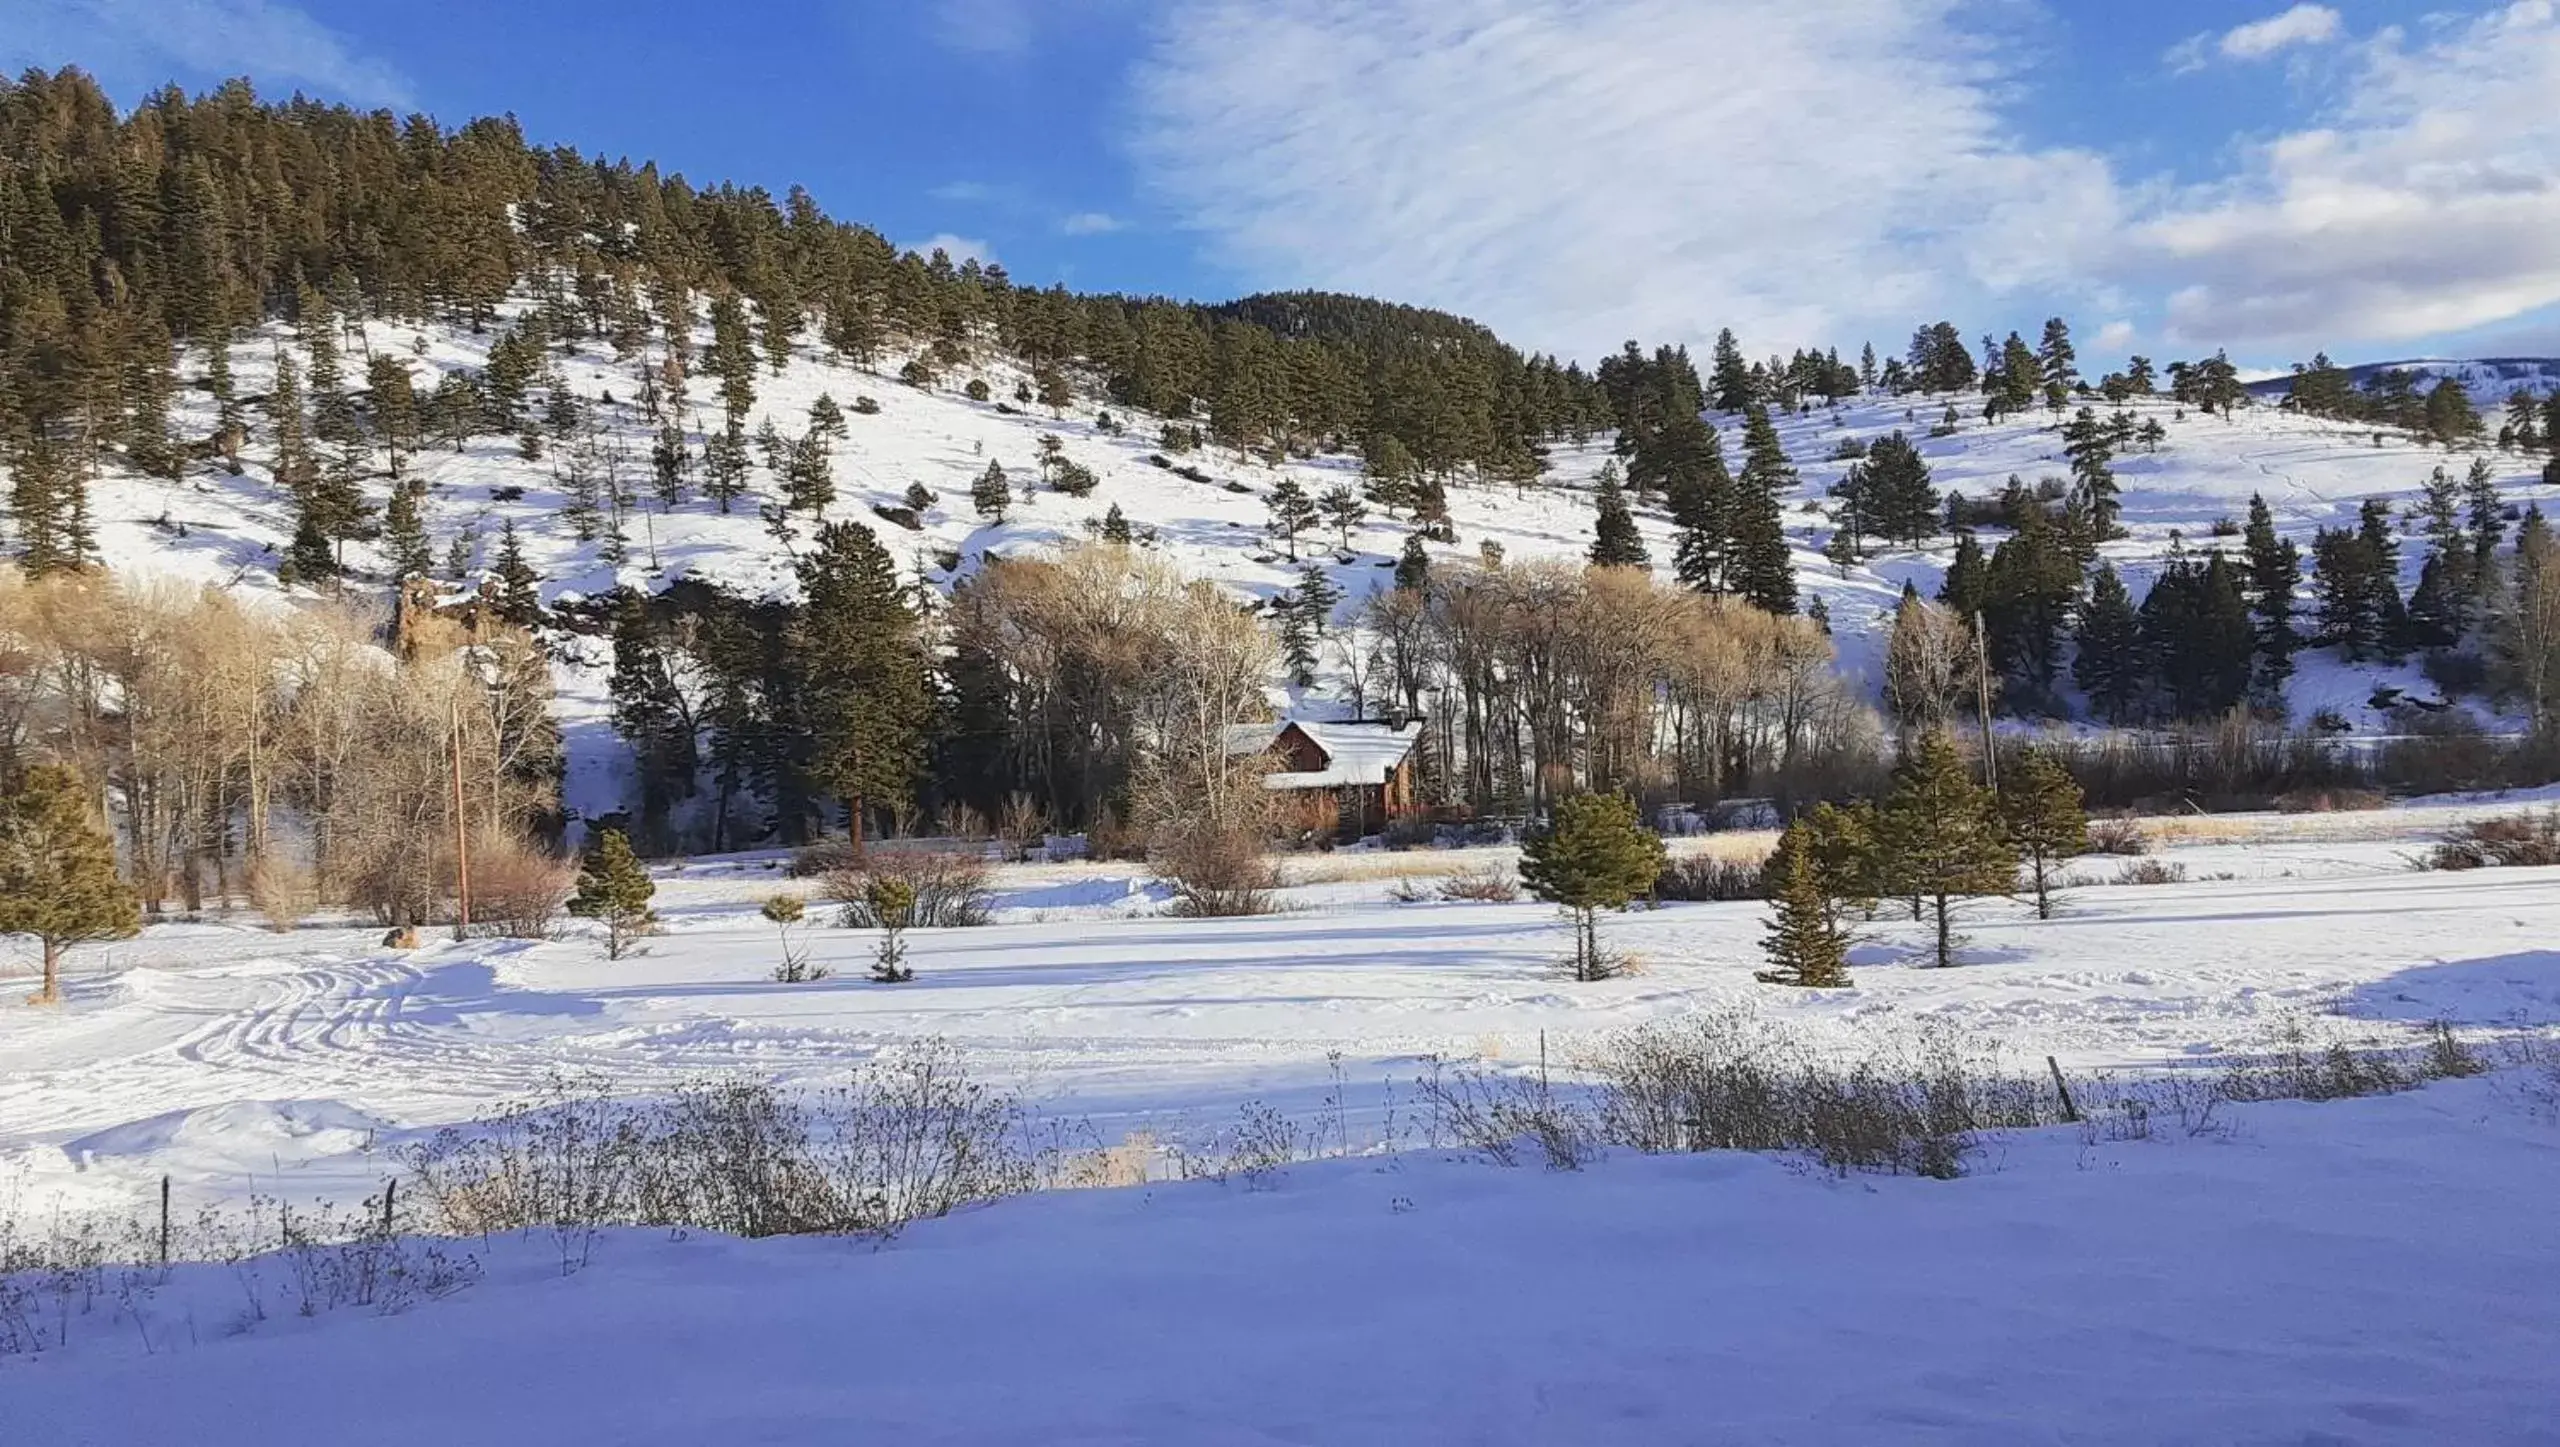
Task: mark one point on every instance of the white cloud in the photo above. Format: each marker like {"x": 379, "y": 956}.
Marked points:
{"x": 2301, "y": 25}
{"x": 2115, "y": 336}
{"x": 2426, "y": 201}
{"x": 1575, "y": 172}
{"x": 1089, "y": 223}
{"x": 144, "y": 41}
{"x": 958, "y": 248}
{"x": 984, "y": 27}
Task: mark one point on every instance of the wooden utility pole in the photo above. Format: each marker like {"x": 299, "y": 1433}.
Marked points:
{"x": 1982, "y": 693}
{"x": 461, "y": 832}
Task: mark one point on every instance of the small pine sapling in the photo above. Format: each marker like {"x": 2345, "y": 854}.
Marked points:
{"x": 785, "y": 913}
{"x": 1805, "y": 948}
{"x": 893, "y": 904}
{"x": 614, "y": 889}
{"x": 1594, "y": 854}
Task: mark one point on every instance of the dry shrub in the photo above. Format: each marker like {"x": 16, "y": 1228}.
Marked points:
{"x": 2151, "y": 871}
{"x": 518, "y": 891}
{"x": 2117, "y": 834}
{"x": 949, "y": 886}
{"x": 2511, "y": 841}
{"x": 824, "y": 857}
{"x": 1707, "y": 877}
{"x": 281, "y": 891}
{"x": 1488, "y": 884}
{"x": 911, "y": 1136}
{"x": 1217, "y": 873}
{"x": 2330, "y": 801}
{"x": 397, "y": 881}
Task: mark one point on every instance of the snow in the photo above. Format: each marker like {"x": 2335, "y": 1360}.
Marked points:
{"x": 1356, "y": 753}
{"x": 230, "y": 531}
{"x": 248, "y": 1062}
{"x": 2366, "y": 1272}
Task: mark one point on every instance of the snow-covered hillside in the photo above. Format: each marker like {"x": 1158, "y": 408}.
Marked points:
{"x": 2489, "y": 380}
{"x": 232, "y": 531}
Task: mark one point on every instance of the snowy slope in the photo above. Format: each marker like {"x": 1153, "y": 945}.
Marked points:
{"x": 2359, "y": 1272}
{"x": 2489, "y": 380}
{"x": 230, "y": 531}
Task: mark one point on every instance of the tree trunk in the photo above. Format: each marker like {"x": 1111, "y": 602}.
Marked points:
{"x": 1946, "y": 938}
{"x": 51, "y": 994}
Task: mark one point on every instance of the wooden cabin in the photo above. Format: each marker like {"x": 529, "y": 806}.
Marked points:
{"x": 1350, "y": 778}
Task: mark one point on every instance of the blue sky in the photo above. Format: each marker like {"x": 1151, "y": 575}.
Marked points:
{"x": 2372, "y": 176}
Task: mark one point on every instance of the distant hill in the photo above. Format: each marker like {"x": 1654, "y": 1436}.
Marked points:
{"x": 2489, "y": 379}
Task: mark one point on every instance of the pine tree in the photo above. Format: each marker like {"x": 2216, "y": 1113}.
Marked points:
{"x": 1940, "y": 836}
{"x": 614, "y": 888}
{"x": 2091, "y": 448}
{"x": 652, "y": 716}
{"x": 404, "y": 537}
{"x": 725, "y": 465}
{"x": 2056, "y": 364}
{"x": 1901, "y": 502}
{"x": 1594, "y": 854}
{"x": 395, "y": 409}
{"x": 1342, "y": 507}
{"x": 2040, "y": 803}
{"x": 1762, "y": 572}
{"x": 1413, "y": 566}
{"x": 519, "y": 590}
{"x": 670, "y": 465}
{"x": 2486, "y": 513}
{"x": 49, "y": 503}
{"x": 2108, "y": 665}
{"x": 1615, "y": 541}
{"x": 58, "y": 879}
{"x": 2274, "y": 576}
{"x": 1728, "y": 380}
{"x": 991, "y": 493}
{"x": 2028, "y": 590}
{"x": 1292, "y": 512}
{"x": 1115, "y": 526}
{"x": 1803, "y": 943}
{"x": 808, "y": 475}
{"x": 1966, "y": 588}
{"x": 864, "y": 684}
{"x": 1318, "y": 597}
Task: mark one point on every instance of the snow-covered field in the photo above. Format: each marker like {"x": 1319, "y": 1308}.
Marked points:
{"x": 2372, "y": 1271}
{"x": 244, "y": 1061}
{"x": 2363, "y": 1271}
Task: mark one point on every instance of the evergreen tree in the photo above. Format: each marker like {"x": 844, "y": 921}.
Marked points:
{"x": 2028, "y": 590}
{"x": 863, "y": 675}
{"x": 2487, "y": 515}
{"x": 2091, "y": 447}
{"x": 1966, "y": 588}
{"x": 1803, "y": 942}
{"x": 1728, "y": 379}
{"x": 1940, "y": 836}
{"x": 653, "y": 717}
{"x": 49, "y": 503}
{"x": 1615, "y": 542}
{"x": 2057, "y": 365}
{"x": 2108, "y": 665}
{"x": 991, "y": 493}
{"x": 1292, "y": 512}
{"x": 58, "y": 879}
{"x": 2450, "y": 417}
{"x": 1593, "y": 854}
{"x": 2042, "y": 809}
{"x": 2274, "y": 567}
{"x": 404, "y": 537}
{"x": 614, "y": 888}
{"x": 725, "y": 464}
{"x": 1413, "y": 566}
{"x": 1761, "y": 571}
{"x": 1342, "y": 507}
{"x": 1900, "y": 501}
{"x": 808, "y": 475}
{"x": 395, "y": 409}
{"x": 519, "y": 587}
{"x": 670, "y": 465}
{"x": 1115, "y": 526}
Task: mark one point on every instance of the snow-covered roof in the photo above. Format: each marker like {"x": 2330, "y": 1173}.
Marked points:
{"x": 1356, "y": 754}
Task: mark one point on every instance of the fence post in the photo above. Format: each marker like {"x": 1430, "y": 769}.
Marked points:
{"x": 2070, "y": 1112}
